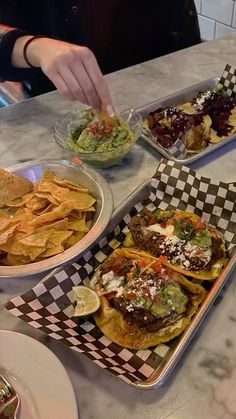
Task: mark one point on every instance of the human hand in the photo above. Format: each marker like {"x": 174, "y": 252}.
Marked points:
{"x": 73, "y": 70}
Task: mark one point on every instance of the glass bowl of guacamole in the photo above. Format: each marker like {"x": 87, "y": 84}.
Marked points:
{"x": 96, "y": 141}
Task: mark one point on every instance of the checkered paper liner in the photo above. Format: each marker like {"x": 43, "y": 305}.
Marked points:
{"x": 48, "y": 306}
{"x": 178, "y": 149}
{"x": 227, "y": 80}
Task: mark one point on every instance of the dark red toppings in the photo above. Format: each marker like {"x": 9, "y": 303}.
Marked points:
{"x": 219, "y": 108}
{"x": 177, "y": 123}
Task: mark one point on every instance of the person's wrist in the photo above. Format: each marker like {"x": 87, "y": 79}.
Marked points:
{"x": 36, "y": 50}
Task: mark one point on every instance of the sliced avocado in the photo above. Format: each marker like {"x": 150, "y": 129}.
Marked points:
{"x": 202, "y": 238}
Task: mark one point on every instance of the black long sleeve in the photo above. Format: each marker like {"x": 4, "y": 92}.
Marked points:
{"x": 8, "y": 38}
{"x": 120, "y": 33}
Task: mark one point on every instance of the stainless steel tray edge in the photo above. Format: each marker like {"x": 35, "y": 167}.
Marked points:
{"x": 160, "y": 375}
{"x": 192, "y": 159}
{"x": 162, "y": 372}
{"x": 173, "y": 99}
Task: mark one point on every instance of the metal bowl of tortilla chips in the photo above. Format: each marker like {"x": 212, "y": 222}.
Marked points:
{"x": 57, "y": 221}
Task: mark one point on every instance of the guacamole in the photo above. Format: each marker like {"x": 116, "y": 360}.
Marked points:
{"x": 93, "y": 135}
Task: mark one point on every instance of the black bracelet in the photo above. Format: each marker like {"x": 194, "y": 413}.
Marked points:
{"x": 26, "y": 46}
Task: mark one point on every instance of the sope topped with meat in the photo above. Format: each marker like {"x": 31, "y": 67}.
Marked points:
{"x": 183, "y": 240}
{"x": 143, "y": 302}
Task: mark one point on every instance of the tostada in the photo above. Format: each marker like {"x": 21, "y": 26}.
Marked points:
{"x": 143, "y": 302}
{"x": 183, "y": 240}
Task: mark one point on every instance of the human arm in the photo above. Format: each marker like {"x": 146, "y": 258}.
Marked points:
{"x": 73, "y": 69}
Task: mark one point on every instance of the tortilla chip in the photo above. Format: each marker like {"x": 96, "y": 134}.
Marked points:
{"x": 58, "y": 237}
{"x": 4, "y": 223}
{"x": 76, "y": 214}
{"x": 14, "y": 260}
{"x": 38, "y": 225}
{"x": 187, "y": 107}
{"x": 207, "y": 122}
{"x": 37, "y": 239}
{"x": 48, "y": 196}
{"x": 57, "y": 225}
{"x": 58, "y": 212}
{"x": 20, "y": 202}
{"x": 45, "y": 186}
{"x": 66, "y": 183}
{"x": 7, "y": 233}
{"x": 4, "y": 214}
{"x": 12, "y": 244}
{"x": 36, "y": 203}
{"x": 33, "y": 252}
{"x": 12, "y": 186}
{"x": 52, "y": 251}
{"x": 73, "y": 239}
{"x": 79, "y": 201}
{"x": 78, "y": 225}
{"x": 214, "y": 138}
{"x": 48, "y": 175}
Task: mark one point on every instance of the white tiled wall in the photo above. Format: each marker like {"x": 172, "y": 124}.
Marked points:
{"x": 216, "y": 18}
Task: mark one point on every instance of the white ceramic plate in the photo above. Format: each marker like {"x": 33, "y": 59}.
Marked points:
{"x": 38, "y": 376}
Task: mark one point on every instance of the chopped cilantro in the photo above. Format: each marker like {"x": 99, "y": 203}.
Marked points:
{"x": 162, "y": 217}
{"x": 184, "y": 228}
{"x": 136, "y": 271}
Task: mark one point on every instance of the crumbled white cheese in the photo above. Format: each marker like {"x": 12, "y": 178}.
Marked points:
{"x": 182, "y": 252}
{"x": 130, "y": 307}
{"x": 112, "y": 283}
{"x": 186, "y": 264}
{"x": 200, "y": 101}
{"x": 193, "y": 251}
{"x": 153, "y": 291}
{"x": 107, "y": 277}
{"x": 174, "y": 244}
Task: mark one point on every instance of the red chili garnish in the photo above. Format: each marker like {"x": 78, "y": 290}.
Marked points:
{"x": 100, "y": 128}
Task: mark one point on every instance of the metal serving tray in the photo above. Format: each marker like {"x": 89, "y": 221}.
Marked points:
{"x": 175, "y": 99}
{"x": 144, "y": 369}
{"x": 176, "y": 349}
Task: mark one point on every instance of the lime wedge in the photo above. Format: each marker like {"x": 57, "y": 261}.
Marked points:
{"x": 87, "y": 301}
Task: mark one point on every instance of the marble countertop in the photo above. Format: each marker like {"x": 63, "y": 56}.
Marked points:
{"x": 204, "y": 383}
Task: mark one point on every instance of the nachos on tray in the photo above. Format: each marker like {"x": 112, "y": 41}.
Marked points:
{"x": 208, "y": 118}
{"x": 143, "y": 302}
{"x": 183, "y": 241}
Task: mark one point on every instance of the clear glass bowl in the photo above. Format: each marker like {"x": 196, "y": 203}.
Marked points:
{"x": 69, "y": 122}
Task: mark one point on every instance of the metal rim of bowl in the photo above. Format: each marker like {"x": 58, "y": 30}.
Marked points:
{"x": 69, "y": 255}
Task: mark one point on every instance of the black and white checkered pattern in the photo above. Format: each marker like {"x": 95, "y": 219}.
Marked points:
{"x": 178, "y": 149}
{"x": 227, "y": 81}
{"x": 48, "y": 306}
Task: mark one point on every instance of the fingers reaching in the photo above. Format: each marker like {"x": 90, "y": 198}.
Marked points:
{"x": 75, "y": 73}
